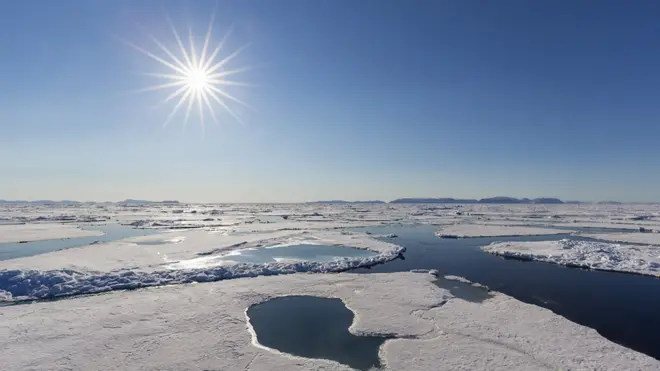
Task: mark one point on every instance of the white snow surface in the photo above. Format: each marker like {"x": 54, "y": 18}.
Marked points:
{"x": 586, "y": 254}
{"x": 75, "y": 275}
{"x": 481, "y": 230}
{"x": 205, "y": 327}
{"x": 502, "y": 333}
{"x": 634, "y": 237}
{"x": 457, "y": 278}
{"x": 42, "y": 231}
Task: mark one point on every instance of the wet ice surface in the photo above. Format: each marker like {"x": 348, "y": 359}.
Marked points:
{"x": 463, "y": 290}
{"x": 302, "y": 252}
{"x": 197, "y": 324}
{"x": 313, "y": 327}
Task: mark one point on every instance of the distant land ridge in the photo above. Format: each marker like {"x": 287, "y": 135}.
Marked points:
{"x": 348, "y": 202}
{"x": 491, "y": 200}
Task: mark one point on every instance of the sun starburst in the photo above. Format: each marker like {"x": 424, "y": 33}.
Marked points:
{"x": 198, "y": 80}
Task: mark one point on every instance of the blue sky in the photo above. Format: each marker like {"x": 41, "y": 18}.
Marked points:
{"x": 355, "y": 100}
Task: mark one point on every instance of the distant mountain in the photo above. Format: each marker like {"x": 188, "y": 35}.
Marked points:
{"x": 41, "y": 202}
{"x": 502, "y": 200}
{"x": 433, "y": 201}
{"x": 491, "y": 200}
{"x": 609, "y": 203}
{"x": 573, "y": 202}
{"x": 347, "y": 202}
{"x": 512, "y": 200}
{"x": 129, "y": 201}
{"x": 547, "y": 200}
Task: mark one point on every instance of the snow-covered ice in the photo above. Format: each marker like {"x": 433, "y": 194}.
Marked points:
{"x": 480, "y": 230}
{"x": 42, "y": 231}
{"x": 457, "y": 279}
{"x": 647, "y": 238}
{"x": 502, "y": 333}
{"x": 586, "y": 254}
{"x": 205, "y": 327}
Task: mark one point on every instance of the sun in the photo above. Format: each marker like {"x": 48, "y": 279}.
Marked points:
{"x": 198, "y": 80}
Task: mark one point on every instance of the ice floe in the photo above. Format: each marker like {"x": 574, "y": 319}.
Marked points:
{"x": 480, "y": 230}
{"x": 647, "y": 238}
{"x": 585, "y": 254}
{"x": 205, "y": 327}
{"x": 42, "y": 231}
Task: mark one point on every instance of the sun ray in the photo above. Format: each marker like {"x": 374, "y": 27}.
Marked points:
{"x": 167, "y": 51}
{"x": 176, "y": 108}
{"x": 229, "y": 96}
{"x": 210, "y": 107}
{"x": 179, "y": 42}
{"x": 175, "y": 94}
{"x": 193, "y": 54}
{"x": 207, "y": 38}
{"x": 224, "y": 105}
{"x": 160, "y": 87}
{"x": 164, "y": 76}
{"x": 217, "y": 49}
{"x": 227, "y": 59}
{"x": 155, "y": 57}
{"x": 231, "y": 83}
{"x": 191, "y": 101}
{"x": 201, "y": 108}
{"x": 229, "y": 72}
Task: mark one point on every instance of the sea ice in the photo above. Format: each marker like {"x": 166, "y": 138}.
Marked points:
{"x": 42, "y": 231}
{"x": 647, "y": 238}
{"x": 586, "y": 254}
{"x": 480, "y": 230}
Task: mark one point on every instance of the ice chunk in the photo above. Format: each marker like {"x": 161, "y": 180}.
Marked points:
{"x": 586, "y": 254}
{"x": 42, "y": 231}
{"x": 481, "y": 230}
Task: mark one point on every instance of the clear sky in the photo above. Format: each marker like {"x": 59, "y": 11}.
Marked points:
{"x": 369, "y": 99}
